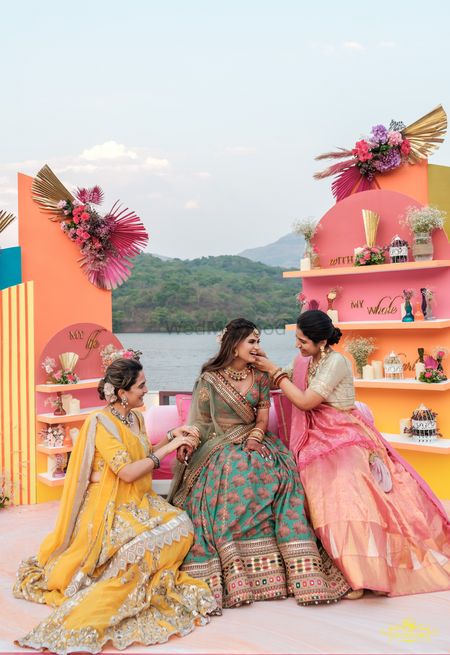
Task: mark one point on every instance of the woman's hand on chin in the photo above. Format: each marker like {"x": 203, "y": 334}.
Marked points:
{"x": 265, "y": 365}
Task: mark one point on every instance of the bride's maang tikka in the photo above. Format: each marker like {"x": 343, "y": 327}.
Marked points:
{"x": 219, "y": 338}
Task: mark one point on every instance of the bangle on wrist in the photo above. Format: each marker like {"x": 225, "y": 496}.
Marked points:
{"x": 170, "y": 436}
{"x": 155, "y": 460}
{"x": 274, "y": 374}
{"x": 279, "y": 377}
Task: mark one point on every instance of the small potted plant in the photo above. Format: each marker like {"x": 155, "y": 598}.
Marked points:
{"x": 422, "y": 221}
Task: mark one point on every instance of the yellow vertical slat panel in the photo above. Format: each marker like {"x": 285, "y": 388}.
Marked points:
{"x": 15, "y": 432}
{"x": 24, "y": 435}
{"x": 31, "y": 391}
{"x": 5, "y": 391}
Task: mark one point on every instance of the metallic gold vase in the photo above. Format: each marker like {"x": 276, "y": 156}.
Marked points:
{"x": 371, "y": 220}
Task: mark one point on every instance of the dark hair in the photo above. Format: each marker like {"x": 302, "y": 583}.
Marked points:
{"x": 317, "y": 326}
{"x": 234, "y": 332}
{"x": 122, "y": 374}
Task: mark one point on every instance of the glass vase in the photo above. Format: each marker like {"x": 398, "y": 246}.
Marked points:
{"x": 422, "y": 247}
{"x": 311, "y": 254}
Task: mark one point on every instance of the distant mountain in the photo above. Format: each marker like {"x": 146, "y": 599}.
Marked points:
{"x": 202, "y": 295}
{"x": 286, "y": 252}
{"x": 162, "y": 257}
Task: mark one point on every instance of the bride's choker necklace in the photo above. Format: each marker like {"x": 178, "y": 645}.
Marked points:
{"x": 126, "y": 420}
{"x": 237, "y": 375}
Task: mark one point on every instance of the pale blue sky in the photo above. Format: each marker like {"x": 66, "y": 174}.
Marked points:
{"x": 205, "y": 117}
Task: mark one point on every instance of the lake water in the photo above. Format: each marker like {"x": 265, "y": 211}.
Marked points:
{"x": 172, "y": 361}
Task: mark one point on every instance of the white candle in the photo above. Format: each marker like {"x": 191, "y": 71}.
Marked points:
{"x": 333, "y": 314}
{"x": 74, "y": 406}
{"x": 377, "y": 369}
{"x": 405, "y": 424}
{"x": 420, "y": 368}
{"x": 368, "y": 373}
{"x": 305, "y": 264}
{"x": 66, "y": 398}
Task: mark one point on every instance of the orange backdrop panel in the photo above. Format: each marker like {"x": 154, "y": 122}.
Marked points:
{"x": 63, "y": 294}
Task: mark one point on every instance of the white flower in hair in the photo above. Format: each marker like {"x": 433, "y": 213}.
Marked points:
{"x": 221, "y": 335}
{"x": 109, "y": 392}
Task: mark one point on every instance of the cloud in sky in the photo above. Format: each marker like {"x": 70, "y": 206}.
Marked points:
{"x": 191, "y": 204}
{"x": 156, "y": 163}
{"x": 353, "y": 46}
{"x": 108, "y": 150}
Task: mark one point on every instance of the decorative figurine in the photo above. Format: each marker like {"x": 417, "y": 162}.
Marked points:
{"x": 408, "y": 317}
{"x": 427, "y": 299}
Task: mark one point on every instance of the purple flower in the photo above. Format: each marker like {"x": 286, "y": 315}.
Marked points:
{"x": 379, "y": 134}
{"x": 387, "y": 162}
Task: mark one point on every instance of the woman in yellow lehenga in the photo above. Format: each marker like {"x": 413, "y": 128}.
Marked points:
{"x": 111, "y": 566}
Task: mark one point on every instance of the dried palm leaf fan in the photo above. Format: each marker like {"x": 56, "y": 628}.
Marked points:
{"x": 6, "y": 218}
{"x": 48, "y": 191}
{"x": 425, "y": 134}
{"x": 371, "y": 220}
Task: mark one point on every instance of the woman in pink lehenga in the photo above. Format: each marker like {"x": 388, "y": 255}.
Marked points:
{"x": 377, "y": 519}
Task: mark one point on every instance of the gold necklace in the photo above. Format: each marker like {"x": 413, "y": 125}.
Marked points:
{"x": 314, "y": 366}
{"x": 237, "y": 375}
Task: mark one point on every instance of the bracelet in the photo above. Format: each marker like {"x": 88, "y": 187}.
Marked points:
{"x": 170, "y": 436}
{"x": 280, "y": 376}
{"x": 274, "y": 374}
{"x": 155, "y": 460}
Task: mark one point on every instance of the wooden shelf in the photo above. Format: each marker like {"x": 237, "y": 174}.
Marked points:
{"x": 45, "y": 450}
{"x": 407, "y": 383}
{"x": 400, "y": 442}
{"x": 437, "y": 324}
{"x": 364, "y": 270}
{"x": 90, "y": 383}
{"x": 47, "y": 479}
{"x": 67, "y": 418}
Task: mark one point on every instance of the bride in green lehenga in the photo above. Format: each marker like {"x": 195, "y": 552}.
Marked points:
{"x": 242, "y": 491}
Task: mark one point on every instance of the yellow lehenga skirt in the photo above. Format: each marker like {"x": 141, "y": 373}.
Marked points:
{"x": 111, "y": 567}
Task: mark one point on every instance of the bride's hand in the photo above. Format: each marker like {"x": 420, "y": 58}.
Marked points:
{"x": 181, "y": 440}
{"x": 265, "y": 365}
{"x": 253, "y": 445}
{"x": 184, "y": 454}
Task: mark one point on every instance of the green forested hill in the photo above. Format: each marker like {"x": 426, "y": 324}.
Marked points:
{"x": 202, "y": 294}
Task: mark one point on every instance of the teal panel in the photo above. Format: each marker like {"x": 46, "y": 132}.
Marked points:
{"x": 10, "y": 267}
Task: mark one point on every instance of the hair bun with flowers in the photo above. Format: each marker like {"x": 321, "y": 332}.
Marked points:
{"x": 109, "y": 393}
{"x": 220, "y": 336}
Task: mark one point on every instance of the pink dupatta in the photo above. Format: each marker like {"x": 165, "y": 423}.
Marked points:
{"x": 320, "y": 431}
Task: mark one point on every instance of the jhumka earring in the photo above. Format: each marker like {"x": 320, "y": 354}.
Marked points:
{"x": 322, "y": 352}
{"x": 124, "y": 401}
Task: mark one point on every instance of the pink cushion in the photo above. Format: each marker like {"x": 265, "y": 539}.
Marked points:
{"x": 159, "y": 419}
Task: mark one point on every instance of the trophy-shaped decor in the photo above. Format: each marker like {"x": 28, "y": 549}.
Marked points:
{"x": 371, "y": 220}
{"x": 68, "y": 361}
{"x": 370, "y": 254}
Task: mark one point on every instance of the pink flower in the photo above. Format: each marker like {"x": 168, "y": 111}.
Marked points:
{"x": 362, "y": 151}
{"x": 61, "y": 204}
{"x": 85, "y": 216}
{"x": 440, "y": 354}
{"x": 76, "y": 219}
{"x": 405, "y": 148}
{"x": 395, "y": 138}
{"x": 428, "y": 374}
{"x": 366, "y": 256}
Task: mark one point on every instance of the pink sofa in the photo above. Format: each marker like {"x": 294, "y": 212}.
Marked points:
{"x": 161, "y": 418}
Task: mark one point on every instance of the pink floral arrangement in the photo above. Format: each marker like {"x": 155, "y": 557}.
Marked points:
{"x": 65, "y": 376}
{"x": 107, "y": 241}
{"x": 369, "y": 255}
{"x": 433, "y": 370}
{"x": 383, "y": 150}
